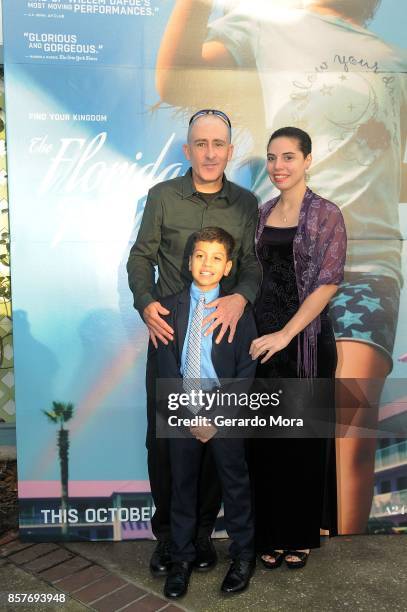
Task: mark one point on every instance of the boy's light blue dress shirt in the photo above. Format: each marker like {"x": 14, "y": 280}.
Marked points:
{"x": 208, "y": 374}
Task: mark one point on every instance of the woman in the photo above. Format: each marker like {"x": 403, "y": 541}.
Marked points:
{"x": 301, "y": 245}
{"x": 350, "y": 91}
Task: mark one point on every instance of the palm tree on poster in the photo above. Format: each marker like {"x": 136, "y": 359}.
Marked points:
{"x": 60, "y": 414}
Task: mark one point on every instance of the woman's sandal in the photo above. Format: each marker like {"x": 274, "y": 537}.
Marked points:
{"x": 302, "y": 556}
{"x": 278, "y": 556}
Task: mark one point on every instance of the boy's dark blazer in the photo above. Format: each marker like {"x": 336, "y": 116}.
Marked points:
{"x": 230, "y": 359}
{"x": 232, "y": 362}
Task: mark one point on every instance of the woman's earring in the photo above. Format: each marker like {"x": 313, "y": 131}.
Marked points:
{"x": 307, "y": 177}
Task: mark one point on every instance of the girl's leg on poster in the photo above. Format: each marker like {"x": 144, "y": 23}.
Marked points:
{"x": 355, "y": 453}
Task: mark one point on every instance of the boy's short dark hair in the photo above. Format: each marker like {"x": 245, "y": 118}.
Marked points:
{"x": 215, "y": 234}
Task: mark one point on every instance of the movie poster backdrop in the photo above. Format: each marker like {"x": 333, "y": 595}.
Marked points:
{"x": 97, "y": 106}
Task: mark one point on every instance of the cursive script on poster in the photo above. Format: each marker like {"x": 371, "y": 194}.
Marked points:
{"x": 79, "y": 165}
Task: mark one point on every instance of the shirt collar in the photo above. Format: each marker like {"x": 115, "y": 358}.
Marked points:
{"x": 188, "y": 187}
{"x": 209, "y": 295}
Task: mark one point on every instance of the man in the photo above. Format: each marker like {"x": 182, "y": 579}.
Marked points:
{"x": 174, "y": 211}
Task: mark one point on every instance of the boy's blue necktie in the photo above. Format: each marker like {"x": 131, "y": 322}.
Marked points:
{"x": 192, "y": 372}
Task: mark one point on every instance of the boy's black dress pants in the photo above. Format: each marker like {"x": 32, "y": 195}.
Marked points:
{"x": 159, "y": 471}
{"x": 186, "y": 463}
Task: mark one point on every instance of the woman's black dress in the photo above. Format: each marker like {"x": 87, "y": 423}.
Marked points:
{"x": 294, "y": 479}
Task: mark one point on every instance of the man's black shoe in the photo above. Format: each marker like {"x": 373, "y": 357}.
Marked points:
{"x": 161, "y": 559}
{"x": 238, "y": 576}
{"x": 206, "y": 556}
{"x": 176, "y": 583}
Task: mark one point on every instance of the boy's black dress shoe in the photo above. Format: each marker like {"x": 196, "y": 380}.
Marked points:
{"x": 161, "y": 559}
{"x": 206, "y": 556}
{"x": 176, "y": 583}
{"x": 238, "y": 576}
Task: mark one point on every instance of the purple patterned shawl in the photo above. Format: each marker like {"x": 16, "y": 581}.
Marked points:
{"x": 319, "y": 251}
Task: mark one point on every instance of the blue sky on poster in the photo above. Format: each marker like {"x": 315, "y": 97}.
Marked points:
{"x": 81, "y": 315}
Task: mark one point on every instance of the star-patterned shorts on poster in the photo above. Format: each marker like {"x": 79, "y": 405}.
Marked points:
{"x": 365, "y": 309}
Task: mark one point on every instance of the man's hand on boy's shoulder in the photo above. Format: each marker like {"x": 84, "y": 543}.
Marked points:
{"x": 158, "y": 328}
{"x": 203, "y": 433}
{"x": 229, "y": 309}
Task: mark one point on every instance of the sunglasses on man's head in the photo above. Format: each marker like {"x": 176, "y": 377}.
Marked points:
{"x": 211, "y": 111}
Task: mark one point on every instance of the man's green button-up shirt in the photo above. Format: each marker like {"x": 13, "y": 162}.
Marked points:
{"x": 174, "y": 212}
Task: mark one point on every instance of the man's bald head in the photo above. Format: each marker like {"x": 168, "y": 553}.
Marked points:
{"x": 208, "y": 150}
{"x": 209, "y": 122}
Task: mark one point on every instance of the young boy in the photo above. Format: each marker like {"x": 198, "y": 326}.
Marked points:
{"x": 193, "y": 356}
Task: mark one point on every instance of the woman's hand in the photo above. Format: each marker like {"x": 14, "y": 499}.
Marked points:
{"x": 311, "y": 307}
{"x": 269, "y": 344}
